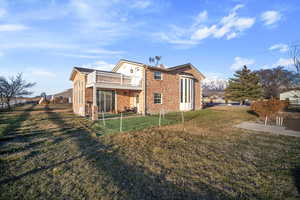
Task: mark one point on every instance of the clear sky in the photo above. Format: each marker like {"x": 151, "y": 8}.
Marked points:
{"x": 44, "y": 39}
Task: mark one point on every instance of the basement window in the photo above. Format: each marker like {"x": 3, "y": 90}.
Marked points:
{"x": 157, "y": 75}
{"x": 157, "y": 98}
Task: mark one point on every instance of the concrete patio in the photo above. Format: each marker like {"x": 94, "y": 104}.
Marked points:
{"x": 278, "y": 130}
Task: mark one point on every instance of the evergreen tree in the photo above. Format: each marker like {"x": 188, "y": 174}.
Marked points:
{"x": 244, "y": 85}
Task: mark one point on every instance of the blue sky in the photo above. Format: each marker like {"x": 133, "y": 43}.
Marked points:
{"x": 44, "y": 39}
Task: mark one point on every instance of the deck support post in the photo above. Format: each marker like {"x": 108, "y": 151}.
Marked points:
{"x": 94, "y": 107}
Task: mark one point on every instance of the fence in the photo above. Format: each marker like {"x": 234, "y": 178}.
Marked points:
{"x": 109, "y": 123}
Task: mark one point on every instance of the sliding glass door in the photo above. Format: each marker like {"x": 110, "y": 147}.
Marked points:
{"x": 106, "y": 100}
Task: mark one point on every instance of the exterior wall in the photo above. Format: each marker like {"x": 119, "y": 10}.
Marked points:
{"x": 130, "y": 69}
{"x": 137, "y": 71}
{"x": 123, "y": 99}
{"x": 168, "y": 87}
{"x": 88, "y": 101}
{"x": 79, "y": 88}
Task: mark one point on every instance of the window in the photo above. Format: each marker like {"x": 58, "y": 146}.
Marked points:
{"x": 181, "y": 90}
{"x": 157, "y": 98}
{"x": 185, "y": 90}
{"x": 157, "y": 75}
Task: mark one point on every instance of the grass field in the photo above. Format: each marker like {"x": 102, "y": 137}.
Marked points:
{"x": 52, "y": 154}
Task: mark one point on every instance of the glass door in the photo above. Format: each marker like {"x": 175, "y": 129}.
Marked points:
{"x": 106, "y": 100}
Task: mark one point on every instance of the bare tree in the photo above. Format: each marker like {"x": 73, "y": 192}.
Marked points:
{"x": 1, "y": 95}
{"x": 295, "y": 56}
{"x": 14, "y": 87}
{"x": 276, "y": 80}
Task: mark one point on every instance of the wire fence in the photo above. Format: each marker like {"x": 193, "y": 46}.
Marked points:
{"x": 111, "y": 123}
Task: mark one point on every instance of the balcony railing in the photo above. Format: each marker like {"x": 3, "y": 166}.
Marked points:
{"x": 113, "y": 81}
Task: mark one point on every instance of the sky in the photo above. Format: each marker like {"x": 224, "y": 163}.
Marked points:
{"x": 45, "y": 39}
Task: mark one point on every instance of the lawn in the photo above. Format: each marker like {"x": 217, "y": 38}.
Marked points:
{"x": 52, "y": 154}
{"x": 138, "y": 122}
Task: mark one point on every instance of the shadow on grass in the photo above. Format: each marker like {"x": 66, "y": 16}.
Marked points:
{"x": 251, "y": 112}
{"x": 296, "y": 174}
{"x": 36, "y": 170}
{"x": 17, "y": 122}
{"x": 134, "y": 182}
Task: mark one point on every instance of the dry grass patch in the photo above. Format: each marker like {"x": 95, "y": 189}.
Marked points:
{"x": 205, "y": 158}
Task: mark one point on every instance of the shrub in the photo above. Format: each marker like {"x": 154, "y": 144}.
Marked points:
{"x": 268, "y": 108}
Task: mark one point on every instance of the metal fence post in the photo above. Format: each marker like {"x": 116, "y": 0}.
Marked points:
{"x": 103, "y": 119}
{"x": 159, "y": 120}
{"x": 121, "y": 122}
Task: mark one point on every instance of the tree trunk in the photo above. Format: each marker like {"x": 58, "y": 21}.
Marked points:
{"x": 8, "y": 104}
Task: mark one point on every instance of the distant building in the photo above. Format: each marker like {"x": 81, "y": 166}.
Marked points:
{"x": 293, "y": 96}
{"x": 66, "y": 95}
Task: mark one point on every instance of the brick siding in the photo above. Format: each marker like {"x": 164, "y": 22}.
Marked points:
{"x": 168, "y": 87}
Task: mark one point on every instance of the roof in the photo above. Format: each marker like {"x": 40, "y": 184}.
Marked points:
{"x": 183, "y": 66}
{"x": 66, "y": 93}
{"x": 128, "y": 61}
{"x": 84, "y": 70}
{"x": 170, "y": 69}
{"x": 87, "y": 71}
{"x": 290, "y": 90}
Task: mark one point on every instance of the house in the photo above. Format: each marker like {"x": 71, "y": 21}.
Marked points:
{"x": 136, "y": 86}
{"x": 293, "y": 96}
{"x": 63, "y": 97}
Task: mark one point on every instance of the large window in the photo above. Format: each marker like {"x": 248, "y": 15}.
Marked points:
{"x": 186, "y": 90}
{"x": 157, "y": 98}
{"x": 157, "y": 75}
{"x": 181, "y": 90}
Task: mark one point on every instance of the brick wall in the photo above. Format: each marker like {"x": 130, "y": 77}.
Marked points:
{"x": 123, "y": 99}
{"x": 89, "y": 95}
{"x": 168, "y": 87}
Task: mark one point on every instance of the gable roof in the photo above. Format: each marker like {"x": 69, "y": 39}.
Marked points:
{"x": 126, "y": 61}
{"x": 183, "y": 66}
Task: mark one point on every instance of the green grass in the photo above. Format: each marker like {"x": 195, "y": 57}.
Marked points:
{"x": 56, "y": 155}
{"x": 130, "y": 124}
{"x": 135, "y": 123}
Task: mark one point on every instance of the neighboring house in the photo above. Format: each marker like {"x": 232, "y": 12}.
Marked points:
{"x": 293, "y": 96}
{"x": 65, "y": 95}
{"x": 136, "y": 86}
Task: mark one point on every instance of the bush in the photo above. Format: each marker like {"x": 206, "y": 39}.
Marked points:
{"x": 269, "y": 108}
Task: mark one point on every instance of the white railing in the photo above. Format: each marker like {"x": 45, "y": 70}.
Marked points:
{"x": 113, "y": 80}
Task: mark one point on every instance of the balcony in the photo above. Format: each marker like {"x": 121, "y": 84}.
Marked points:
{"x": 113, "y": 81}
